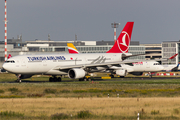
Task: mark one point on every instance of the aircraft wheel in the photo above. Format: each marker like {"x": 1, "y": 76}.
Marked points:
{"x": 50, "y": 79}
{"x": 89, "y": 79}
{"x": 55, "y": 79}
{"x": 112, "y": 76}
{"x": 85, "y": 79}
{"x": 19, "y": 81}
{"x": 121, "y": 76}
{"x": 59, "y": 79}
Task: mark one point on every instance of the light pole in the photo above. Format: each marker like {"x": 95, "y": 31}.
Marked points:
{"x": 5, "y": 36}
{"x": 115, "y": 25}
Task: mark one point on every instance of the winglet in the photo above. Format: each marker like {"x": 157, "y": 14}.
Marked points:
{"x": 175, "y": 69}
{"x": 122, "y": 43}
{"x": 173, "y": 56}
{"x": 177, "y": 65}
{"x": 72, "y": 49}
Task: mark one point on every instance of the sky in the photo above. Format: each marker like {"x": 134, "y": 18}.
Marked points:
{"x": 155, "y": 21}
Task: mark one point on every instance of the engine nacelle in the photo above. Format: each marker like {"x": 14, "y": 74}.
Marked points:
{"x": 76, "y": 73}
{"x": 121, "y": 72}
{"x": 137, "y": 73}
{"x": 25, "y": 76}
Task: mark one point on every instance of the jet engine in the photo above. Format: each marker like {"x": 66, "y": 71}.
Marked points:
{"x": 137, "y": 73}
{"x": 121, "y": 72}
{"x": 76, "y": 73}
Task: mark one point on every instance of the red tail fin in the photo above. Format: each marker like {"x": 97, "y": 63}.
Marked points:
{"x": 173, "y": 56}
{"x": 122, "y": 43}
{"x": 9, "y": 56}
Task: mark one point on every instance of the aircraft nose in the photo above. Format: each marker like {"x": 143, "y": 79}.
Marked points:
{"x": 5, "y": 66}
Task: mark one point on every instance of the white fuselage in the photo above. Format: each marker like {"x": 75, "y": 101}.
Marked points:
{"x": 145, "y": 66}
{"x": 50, "y": 64}
{"x": 148, "y": 66}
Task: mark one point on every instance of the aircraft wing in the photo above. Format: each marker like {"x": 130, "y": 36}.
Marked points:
{"x": 170, "y": 68}
{"x": 125, "y": 56}
{"x": 175, "y": 69}
{"x": 166, "y": 59}
{"x": 107, "y": 64}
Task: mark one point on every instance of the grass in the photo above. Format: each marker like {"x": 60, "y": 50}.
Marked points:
{"x": 84, "y": 114}
{"x": 36, "y": 98}
{"x": 10, "y": 114}
{"x": 93, "y": 108}
{"x": 126, "y": 87}
{"x": 89, "y": 90}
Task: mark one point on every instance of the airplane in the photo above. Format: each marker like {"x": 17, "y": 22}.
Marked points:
{"x": 76, "y": 66}
{"x": 135, "y": 68}
{"x": 150, "y": 66}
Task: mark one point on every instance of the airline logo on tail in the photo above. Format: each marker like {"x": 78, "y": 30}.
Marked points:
{"x": 72, "y": 49}
{"x": 122, "y": 43}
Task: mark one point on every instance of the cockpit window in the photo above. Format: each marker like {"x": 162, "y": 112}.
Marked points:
{"x": 156, "y": 64}
{"x": 10, "y": 61}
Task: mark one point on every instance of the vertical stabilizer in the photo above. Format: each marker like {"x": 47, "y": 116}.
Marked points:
{"x": 9, "y": 56}
{"x": 122, "y": 43}
{"x": 72, "y": 48}
{"x": 173, "y": 56}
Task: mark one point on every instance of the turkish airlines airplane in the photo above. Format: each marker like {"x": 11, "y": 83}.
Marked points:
{"x": 135, "y": 68}
{"x": 76, "y": 66}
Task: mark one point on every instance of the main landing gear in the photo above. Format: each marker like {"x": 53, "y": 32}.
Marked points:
{"x": 150, "y": 75}
{"x": 121, "y": 76}
{"x": 112, "y": 76}
{"x": 55, "y": 79}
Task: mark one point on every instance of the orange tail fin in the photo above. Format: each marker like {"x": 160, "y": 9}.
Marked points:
{"x": 72, "y": 48}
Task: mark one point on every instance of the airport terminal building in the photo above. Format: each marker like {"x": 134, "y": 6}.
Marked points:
{"x": 153, "y": 51}
{"x": 170, "y": 48}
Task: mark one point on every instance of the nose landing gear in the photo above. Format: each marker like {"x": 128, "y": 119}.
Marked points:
{"x": 18, "y": 78}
